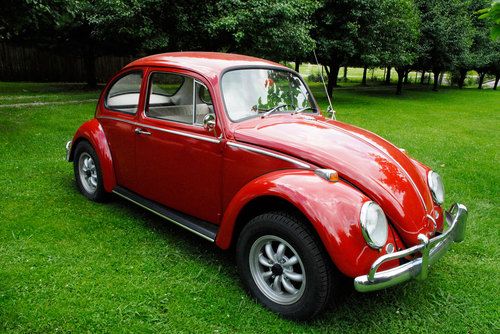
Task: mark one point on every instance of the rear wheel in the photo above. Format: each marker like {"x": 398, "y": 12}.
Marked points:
{"x": 88, "y": 173}
{"x": 284, "y": 266}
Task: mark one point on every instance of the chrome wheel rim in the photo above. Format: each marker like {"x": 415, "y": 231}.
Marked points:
{"x": 88, "y": 172}
{"x": 277, "y": 269}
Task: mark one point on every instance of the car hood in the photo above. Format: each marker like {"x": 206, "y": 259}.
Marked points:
{"x": 367, "y": 161}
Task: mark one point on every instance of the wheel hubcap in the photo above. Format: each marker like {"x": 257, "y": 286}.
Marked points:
{"x": 88, "y": 172}
{"x": 277, "y": 269}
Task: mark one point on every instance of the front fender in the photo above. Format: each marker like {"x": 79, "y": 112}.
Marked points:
{"x": 93, "y": 132}
{"x": 333, "y": 209}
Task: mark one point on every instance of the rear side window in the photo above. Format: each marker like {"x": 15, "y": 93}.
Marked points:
{"x": 124, "y": 94}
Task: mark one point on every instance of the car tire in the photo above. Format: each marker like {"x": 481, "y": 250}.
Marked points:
{"x": 294, "y": 277}
{"x": 88, "y": 173}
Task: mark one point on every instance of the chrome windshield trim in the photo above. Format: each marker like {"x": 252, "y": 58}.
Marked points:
{"x": 271, "y": 154}
{"x": 174, "y": 132}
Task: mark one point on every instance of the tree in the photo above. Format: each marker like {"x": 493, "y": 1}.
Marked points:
{"x": 400, "y": 26}
{"x": 494, "y": 65}
{"x": 480, "y": 54}
{"x": 337, "y": 35}
{"x": 445, "y": 34}
{"x": 279, "y": 30}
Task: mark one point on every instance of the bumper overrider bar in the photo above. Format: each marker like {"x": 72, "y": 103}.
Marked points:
{"x": 431, "y": 250}
{"x": 68, "y": 150}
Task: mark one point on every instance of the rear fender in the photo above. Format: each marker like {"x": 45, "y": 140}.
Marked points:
{"x": 333, "y": 210}
{"x": 93, "y": 132}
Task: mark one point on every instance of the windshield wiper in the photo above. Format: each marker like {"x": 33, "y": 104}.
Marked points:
{"x": 270, "y": 111}
{"x": 298, "y": 111}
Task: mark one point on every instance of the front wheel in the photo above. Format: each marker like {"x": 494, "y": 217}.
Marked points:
{"x": 284, "y": 266}
{"x": 88, "y": 173}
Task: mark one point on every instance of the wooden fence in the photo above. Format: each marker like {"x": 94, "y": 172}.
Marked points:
{"x": 33, "y": 64}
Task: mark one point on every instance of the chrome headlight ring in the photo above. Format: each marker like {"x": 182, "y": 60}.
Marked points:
{"x": 374, "y": 225}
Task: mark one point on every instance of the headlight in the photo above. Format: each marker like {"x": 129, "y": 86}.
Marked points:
{"x": 373, "y": 225}
{"x": 436, "y": 186}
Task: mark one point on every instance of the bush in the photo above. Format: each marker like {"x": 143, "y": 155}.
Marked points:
{"x": 314, "y": 77}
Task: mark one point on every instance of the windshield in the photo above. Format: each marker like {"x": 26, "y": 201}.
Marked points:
{"x": 254, "y": 92}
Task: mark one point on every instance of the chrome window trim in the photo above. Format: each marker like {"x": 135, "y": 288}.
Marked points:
{"x": 179, "y": 133}
{"x": 121, "y": 76}
{"x": 271, "y": 154}
{"x": 262, "y": 67}
{"x": 184, "y": 76}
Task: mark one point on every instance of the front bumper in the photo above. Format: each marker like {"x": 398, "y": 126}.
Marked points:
{"x": 431, "y": 250}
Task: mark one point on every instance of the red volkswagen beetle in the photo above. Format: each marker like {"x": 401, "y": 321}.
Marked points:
{"x": 235, "y": 150}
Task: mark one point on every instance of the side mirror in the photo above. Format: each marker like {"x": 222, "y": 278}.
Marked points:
{"x": 209, "y": 122}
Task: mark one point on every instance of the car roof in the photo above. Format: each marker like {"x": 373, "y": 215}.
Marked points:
{"x": 205, "y": 63}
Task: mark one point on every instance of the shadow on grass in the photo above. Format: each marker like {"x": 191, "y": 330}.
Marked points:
{"x": 348, "y": 307}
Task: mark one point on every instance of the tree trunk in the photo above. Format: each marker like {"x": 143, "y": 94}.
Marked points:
{"x": 441, "y": 77}
{"x": 497, "y": 77}
{"x": 388, "y": 77}
{"x": 297, "y": 65}
{"x": 407, "y": 73}
{"x": 332, "y": 78}
{"x": 481, "y": 79}
{"x": 461, "y": 79}
{"x": 422, "y": 77}
{"x": 401, "y": 76}
{"x": 429, "y": 78}
{"x": 436, "y": 81}
{"x": 363, "y": 81}
{"x": 345, "y": 73}
{"x": 89, "y": 60}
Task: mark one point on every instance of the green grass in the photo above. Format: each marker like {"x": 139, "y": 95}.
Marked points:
{"x": 28, "y": 92}
{"x": 70, "y": 265}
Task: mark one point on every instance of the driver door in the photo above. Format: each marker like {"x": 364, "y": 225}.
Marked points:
{"x": 179, "y": 162}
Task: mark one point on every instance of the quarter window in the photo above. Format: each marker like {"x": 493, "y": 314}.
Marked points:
{"x": 178, "y": 98}
{"x": 124, "y": 94}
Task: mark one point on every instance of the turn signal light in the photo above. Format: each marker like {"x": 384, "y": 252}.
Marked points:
{"x": 328, "y": 174}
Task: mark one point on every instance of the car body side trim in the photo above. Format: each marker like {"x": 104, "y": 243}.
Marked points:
{"x": 271, "y": 154}
{"x": 201, "y": 228}
{"x": 174, "y": 132}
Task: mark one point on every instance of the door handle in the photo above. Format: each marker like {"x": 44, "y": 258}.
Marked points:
{"x": 140, "y": 131}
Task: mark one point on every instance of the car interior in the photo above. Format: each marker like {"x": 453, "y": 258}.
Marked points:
{"x": 170, "y": 97}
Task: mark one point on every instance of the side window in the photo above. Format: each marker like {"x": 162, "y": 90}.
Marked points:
{"x": 124, "y": 94}
{"x": 177, "y": 98}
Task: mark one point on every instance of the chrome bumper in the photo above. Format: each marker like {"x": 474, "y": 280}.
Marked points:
{"x": 431, "y": 250}
{"x": 68, "y": 150}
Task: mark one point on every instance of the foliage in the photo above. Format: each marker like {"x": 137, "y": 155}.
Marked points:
{"x": 481, "y": 52}
{"x": 338, "y": 34}
{"x": 492, "y": 14}
{"x": 272, "y": 29}
{"x": 445, "y": 34}
{"x": 436, "y": 35}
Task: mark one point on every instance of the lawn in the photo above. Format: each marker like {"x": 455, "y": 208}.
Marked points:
{"x": 70, "y": 265}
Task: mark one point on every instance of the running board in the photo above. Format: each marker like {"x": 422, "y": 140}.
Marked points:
{"x": 199, "y": 227}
